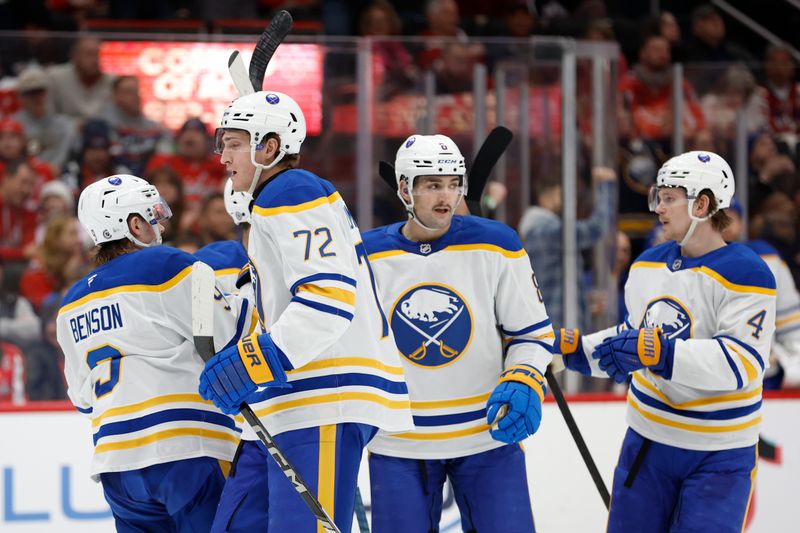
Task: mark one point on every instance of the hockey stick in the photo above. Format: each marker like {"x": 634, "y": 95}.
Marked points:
{"x": 238, "y": 72}
{"x": 203, "y": 289}
{"x": 490, "y": 152}
{"x": 279, "y": 27}
{"x": 487, "y": 157}
{"x": 563, "y": 406}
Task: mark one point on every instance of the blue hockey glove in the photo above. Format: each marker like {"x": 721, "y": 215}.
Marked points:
{"x": 634, "y": 349}
{"x": 522, "y": 389}
{"x": 235, "y": 372}
{"x": 569, "y": 344}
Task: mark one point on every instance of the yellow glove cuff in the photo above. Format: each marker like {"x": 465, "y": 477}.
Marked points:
{"x": 527, "y": 375}
{"x": 254, "y": 361}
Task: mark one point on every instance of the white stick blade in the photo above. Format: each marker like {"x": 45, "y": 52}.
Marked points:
{"x": 203, "y": 289}
{"x": 239, "y": 75}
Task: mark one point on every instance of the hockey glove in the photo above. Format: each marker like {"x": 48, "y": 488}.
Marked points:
{"x": 634, "y": 349}
{"x": 235, "y": 372}
{"x": 569, "y": 344}
{"x": 522, "y": 389}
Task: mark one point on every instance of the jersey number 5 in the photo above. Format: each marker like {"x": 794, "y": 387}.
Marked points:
{"x": 102, "y": 354}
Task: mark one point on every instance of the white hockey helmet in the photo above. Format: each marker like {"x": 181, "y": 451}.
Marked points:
{"x": 260, "y": 114}
{"x": 427, "y": 155}
{"x": 695, "y": 172}
{"x": 104, "y": 208}
{"x": 237, "y": 203}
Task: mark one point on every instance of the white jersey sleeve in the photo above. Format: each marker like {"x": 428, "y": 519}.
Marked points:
{"x": 317, "y": 264}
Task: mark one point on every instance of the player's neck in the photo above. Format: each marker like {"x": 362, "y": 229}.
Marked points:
{"x": 412, "y": 231}
{"x": 704, "y": 240}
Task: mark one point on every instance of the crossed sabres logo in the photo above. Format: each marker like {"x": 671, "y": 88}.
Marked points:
{"x": 670, "y": 315}
{"x": 432, "y": 324}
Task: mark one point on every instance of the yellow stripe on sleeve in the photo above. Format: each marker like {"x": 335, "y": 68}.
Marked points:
{"x": 348, "y": 361}
{"x": 752, "y": 373}
{"x": 162, "y": 287}
{"x": 486, "y": 248}
{"x": 305, "y": 206}
{"x": 734, "y": 286}
{"x": 334, "y": 293}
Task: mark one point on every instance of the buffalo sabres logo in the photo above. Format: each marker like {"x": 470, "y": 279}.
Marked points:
{"x": 432, "y": 325}
{"x": 671, "y": 316}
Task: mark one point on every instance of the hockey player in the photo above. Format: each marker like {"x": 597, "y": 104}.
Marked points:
{"x": 322, "y": 370}
{"x": 786, "y": 344}
{"x": 695, "y": 344}
{"x": 131, "y": 366}
{"x": 469, "y": 321}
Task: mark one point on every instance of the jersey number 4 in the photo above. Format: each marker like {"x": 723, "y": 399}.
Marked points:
{"x": 757, "y": 323}
{"x": 102, "y": 354}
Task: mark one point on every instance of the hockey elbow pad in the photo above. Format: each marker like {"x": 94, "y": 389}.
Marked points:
{"x": 570, "y": 344}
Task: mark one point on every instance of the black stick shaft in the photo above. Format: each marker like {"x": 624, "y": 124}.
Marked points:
{"x": 577, "y": 437}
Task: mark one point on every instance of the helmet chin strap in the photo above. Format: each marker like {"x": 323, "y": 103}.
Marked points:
{"x": 693, "y": 225}
{"x": 260, "y": 168}
{"x": 140, "y": 244}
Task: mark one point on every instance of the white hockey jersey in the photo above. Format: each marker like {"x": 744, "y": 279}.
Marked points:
{"x": 227, "y": 259}
{"x": 786, "y": 345}
{"x": 130, "y": 362}
{"x": 720, "y": 309}
{"x": 316, "y": 297}
{"x": 462, "y": 308}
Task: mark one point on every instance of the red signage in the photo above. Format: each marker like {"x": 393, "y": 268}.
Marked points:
{"x": 182, "y": 80}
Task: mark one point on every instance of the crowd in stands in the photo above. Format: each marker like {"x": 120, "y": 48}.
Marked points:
{"x": 75, "y": 124}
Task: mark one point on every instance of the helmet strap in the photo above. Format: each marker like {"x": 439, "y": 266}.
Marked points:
{"x": 140, "y": 244}
{"x": 693, "y": 225}
{"x": 259, "y": 167}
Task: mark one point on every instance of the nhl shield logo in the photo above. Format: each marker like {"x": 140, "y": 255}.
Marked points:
{"x": 676, "y": 264}
{"x": 425, "y": 248}
{"x": 670, "y": 315}
{"x": 432, "y": 325}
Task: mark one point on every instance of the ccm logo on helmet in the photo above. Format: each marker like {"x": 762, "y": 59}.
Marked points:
{"x": 273, "y": 98}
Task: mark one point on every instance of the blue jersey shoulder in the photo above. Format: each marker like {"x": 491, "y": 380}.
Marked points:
{"x": 382, "y": 238}
{"x": 223, "y": 254}
{"x": 739, "y": 264}
{"x": 147, "y": 266}
{"x": 478, "y": 230}
{"x": 761, "y": 247}
{"x": 660, "y": 253}
{"x": 294, "y": 187}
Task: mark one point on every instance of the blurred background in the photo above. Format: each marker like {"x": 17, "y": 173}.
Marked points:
{"x": 597, "y": 93}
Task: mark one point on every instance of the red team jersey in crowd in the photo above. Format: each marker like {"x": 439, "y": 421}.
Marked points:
{"x": 199, "y": 178}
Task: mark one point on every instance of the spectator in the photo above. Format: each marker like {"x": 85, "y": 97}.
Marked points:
{"x": 138, "y": 136}
{"x": 95, "y": 160}
{"x": 18, "y": 322}
{"x": 769, "y": 170}
{"x": 198, "y": 168}
{"x": 44, "y": 360}
{"x": 170, "y": 187}
{"x": 779, "y": 97}
{"x": 541, "y": 227}
{"x": 646, "y": 93}
{"x": 79, "y": 89}
{"x": 731, "y": 96}
{"x": 13, "y": 148}
{"x": 395, "y": 71}
{"x": 50, "y": 135}
{"x": 454, "y": 69}
{"x": 17, "y": 222}
{"x": 709, "y": 45}
{"x": 215, "y": 224}
{"x": 56, "y": 200}
{"x": 442, "y": 26}
{"x": 59, "y": 259}
{"x": 12, "y": 374}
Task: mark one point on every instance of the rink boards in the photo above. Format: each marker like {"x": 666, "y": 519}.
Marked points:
{"x": 45, "y": 453}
